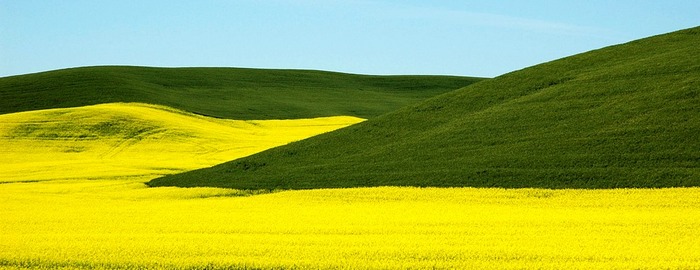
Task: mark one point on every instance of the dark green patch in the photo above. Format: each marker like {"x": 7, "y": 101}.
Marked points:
{"x": 74, "y": 149}
{"x": 84, "y": 129}
{"x": 77, "y": 264}
{"x": 240, "y": 193}
{"x": 21, "y": 182}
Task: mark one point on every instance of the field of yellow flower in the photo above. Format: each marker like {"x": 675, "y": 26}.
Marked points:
{"x": 123, "y": 225}
{"x": 69, "y": 200}
{"x": 136, "y": 140}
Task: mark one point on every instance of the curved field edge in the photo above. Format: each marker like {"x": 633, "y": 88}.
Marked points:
{"x": 134, "y": 140}
{"x": 621, "y": 116}
{"x": 232, "y": 93}
{"x": 71, "y": 224}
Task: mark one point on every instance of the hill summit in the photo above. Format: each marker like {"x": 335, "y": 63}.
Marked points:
{"x": 622, "y": 116}
{"x": 234, "y": 93}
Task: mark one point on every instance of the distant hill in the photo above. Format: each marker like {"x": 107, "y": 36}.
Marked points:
{"x": 233, "y": 93}
{"x": 622, "y": 116}
{"x": 136, "y": 141}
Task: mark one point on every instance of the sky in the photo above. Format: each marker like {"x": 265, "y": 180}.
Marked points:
{"x": 469, "y": 38}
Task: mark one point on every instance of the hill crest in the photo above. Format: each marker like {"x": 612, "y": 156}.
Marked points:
{"x": 233, "y": 93}
{"x": 622, "y": 116}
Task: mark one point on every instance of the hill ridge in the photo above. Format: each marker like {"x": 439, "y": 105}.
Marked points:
{"x": 620, "y": 116}
{"x": 234, "y": 93}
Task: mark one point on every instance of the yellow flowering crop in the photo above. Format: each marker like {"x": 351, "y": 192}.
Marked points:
{"x": 130, "y": 139}
{"x": 90, "y": 208}
{"x": 122, "y": 224}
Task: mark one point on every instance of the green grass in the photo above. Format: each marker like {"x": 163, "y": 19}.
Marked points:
{"x": 233, "y": 93}
{"x": 622, "y": 116}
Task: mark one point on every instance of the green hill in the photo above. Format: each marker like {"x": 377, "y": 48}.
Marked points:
{"x": 622, "y": 116}
{"x": 224, "y": 92}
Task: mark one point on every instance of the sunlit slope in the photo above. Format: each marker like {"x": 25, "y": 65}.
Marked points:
{"x": 135, "y": 140}
{"x": 622, "y": 116}
{"x": 233, "y": 93}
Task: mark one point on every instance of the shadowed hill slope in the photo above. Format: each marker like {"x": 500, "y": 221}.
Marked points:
{"x": 622, "y": 116}
{"x": 234, "y": 93}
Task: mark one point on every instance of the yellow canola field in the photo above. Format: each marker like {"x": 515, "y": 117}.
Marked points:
{"x": 123, "y": 225}
{"x": 91, "y": 210}
{"x": 142, "y": 141}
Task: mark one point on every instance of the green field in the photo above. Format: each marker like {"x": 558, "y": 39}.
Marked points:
{"x": 233, "y": 93}
{"x": 622, "y": 116}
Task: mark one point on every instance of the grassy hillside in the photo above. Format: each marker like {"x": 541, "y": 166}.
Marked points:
{"x": 622, "y": 116}
{"x": 127, "y": 140}
{"x": 224, "y": 92}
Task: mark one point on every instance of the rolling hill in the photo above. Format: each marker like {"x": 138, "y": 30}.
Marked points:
{"x": 234, "y": 93}
{"x": 135, "y": 141}
{"x": 622, "y": 116}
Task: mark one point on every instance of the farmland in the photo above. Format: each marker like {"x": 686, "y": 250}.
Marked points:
{"x": 622, "y": 116}
{"x": 588, "y": 162}
{"x": 122, "y": 225}
{"x": 120, "y": 140}
{"x": 74, "y": 197}
{"x": 232, "y": 93}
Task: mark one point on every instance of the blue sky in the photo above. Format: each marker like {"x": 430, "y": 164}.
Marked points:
{"x": 473, "y": 38}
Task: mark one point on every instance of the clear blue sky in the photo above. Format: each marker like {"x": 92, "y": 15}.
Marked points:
{"x": 475, "y": 38}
